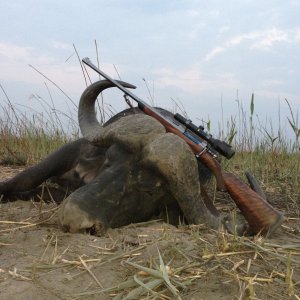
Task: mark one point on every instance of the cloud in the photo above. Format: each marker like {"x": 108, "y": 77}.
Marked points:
{"x": 269, "y": 95}
{"x": 273, "y": 82}
{"x": 192, "y": 13}
{"x": 14, "y": 60}
{"x": 297, "y": 34}
{"x": 266, "y": 40}
{"x": 260, "y": 40}
{"x": 214, "y": 13}
{"x": 15, "y": 70}
{"x": 14, "y": 52}
{"x": 214, "y": 52}
{"x": 223, "y": 29}
{"x": 61, "y": 45}
{"x": 193, "y": 81}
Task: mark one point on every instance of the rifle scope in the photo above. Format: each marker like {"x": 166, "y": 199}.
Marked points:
{"x": 222, "y": 147}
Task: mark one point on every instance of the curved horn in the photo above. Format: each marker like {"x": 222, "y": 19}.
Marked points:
{"x": 88, "y": 122}
{"x": 255, "y": 185}
{"x": 175, "y": 160}
{"x": 132, "y": 131}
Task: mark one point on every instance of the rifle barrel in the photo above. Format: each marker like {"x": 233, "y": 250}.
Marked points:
{"x": 141, "y": 102}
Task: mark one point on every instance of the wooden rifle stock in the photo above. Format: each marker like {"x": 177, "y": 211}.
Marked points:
{"x": 261, "y": 216}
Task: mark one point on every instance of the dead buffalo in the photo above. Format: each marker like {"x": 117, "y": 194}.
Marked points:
{"x": 124, "y": 172}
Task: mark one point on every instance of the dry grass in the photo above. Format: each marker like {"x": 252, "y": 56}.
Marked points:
{"x": 148, "y": 261}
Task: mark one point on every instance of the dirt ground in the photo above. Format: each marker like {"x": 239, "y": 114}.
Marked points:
{"x": 153, "y": 260}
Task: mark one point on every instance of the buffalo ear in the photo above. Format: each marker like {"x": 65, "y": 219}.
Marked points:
{"x": 176, "y": 162}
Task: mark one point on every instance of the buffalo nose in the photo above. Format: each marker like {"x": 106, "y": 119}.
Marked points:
{"x": 73, "y": 219}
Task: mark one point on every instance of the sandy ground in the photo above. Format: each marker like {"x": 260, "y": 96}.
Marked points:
{"x": 144, "y": 261}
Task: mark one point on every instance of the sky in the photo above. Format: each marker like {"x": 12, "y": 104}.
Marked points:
{"x": 209, "y": 56}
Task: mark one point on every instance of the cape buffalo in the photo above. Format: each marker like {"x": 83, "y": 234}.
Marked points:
{"x": 123, "y": 172}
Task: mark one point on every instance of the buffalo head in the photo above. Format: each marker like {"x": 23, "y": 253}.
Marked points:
{"x": 143, "y": 168}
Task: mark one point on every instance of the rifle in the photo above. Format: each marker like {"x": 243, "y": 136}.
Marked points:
{"x": 261, "y": 216}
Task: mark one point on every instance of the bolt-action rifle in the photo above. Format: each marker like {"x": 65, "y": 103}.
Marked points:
{"x": 261, "y": 216}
